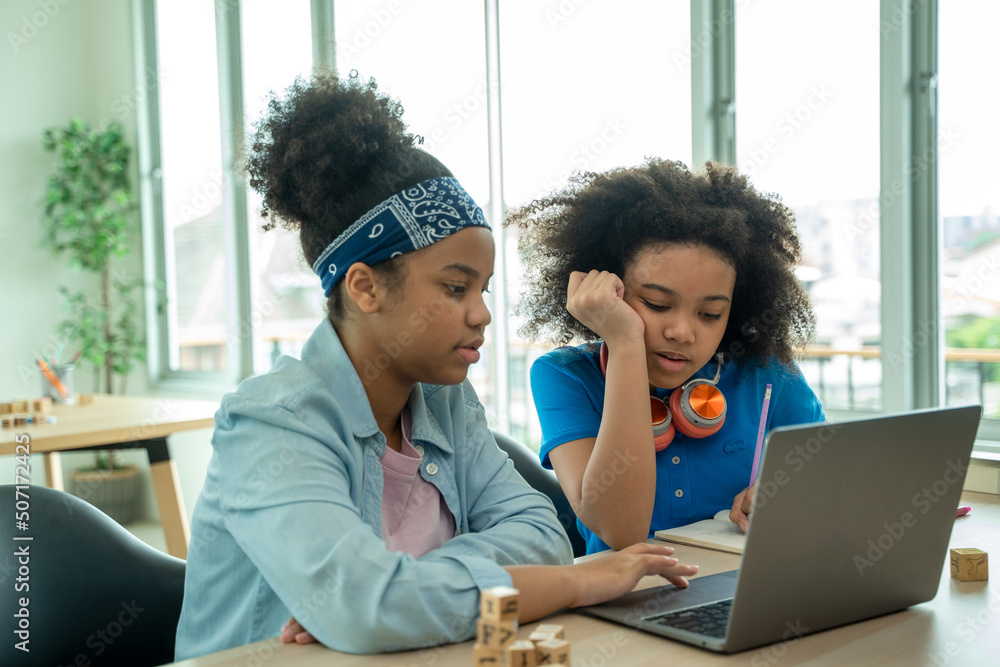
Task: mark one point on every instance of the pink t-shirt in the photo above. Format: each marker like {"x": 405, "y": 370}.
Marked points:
{"x": 415, "y": 518}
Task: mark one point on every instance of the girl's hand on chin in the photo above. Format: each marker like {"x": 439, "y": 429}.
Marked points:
{"x": 596, "y": 300}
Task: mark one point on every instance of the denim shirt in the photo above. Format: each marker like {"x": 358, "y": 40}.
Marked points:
{"x": 289, "y": 520}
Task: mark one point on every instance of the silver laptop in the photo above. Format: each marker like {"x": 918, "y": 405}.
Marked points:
{"x": 849, "y": 521}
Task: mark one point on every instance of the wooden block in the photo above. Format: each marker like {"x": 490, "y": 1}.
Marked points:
{"x": 8, "y": 422}
{"x": 483, "y": 656}
{"x": 537, "y": 636}
{"x": 496, "y": 635}
{"x": 559, "y": 631}
{"x": 969, "y": 564}
{"x": 6, "y": 408}
{"x": 19, "y": 406}
{"x": 552, "y": 652}
{"x": 20, "y": 420}
{"x": 519, "y": 654}
{"x": 42, "y": 405}
{"x": 498, "y": 603}
{"x": 86, "y": 399}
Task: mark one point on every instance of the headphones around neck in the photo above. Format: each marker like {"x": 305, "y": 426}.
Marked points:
{"x": 696, "y": 408}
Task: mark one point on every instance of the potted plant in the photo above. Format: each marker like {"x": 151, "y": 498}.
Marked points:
{"x": 89, "y": 219}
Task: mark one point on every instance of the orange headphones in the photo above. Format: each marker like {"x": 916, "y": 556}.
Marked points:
{"x": 697, "y": 408}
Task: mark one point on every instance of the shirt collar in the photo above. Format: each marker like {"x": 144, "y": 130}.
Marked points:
{"x": 326, "y": 356}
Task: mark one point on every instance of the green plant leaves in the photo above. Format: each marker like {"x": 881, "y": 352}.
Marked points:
{"x": 89, "y": 219}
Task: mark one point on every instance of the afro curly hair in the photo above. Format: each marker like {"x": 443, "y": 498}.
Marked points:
{"x": 603, "y": 221}
{"x": 326, "y": 152}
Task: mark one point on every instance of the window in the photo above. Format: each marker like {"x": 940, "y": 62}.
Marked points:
{"x": 189, "y": 142}
{"x": 969, "y": 203}
{"x": 286, "y": 297}
{"x": 807, "y": 128}
{"x": 585, "y": 88}
{"x": 799, "y": 96}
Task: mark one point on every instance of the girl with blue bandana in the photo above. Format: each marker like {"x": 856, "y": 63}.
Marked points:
{"x": 682, "y": 288}
{"x": 356, "y": 496}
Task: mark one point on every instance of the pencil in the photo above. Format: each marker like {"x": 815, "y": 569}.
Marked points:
{"x": 760, "y": 435}
{"x": 51, "y": 377}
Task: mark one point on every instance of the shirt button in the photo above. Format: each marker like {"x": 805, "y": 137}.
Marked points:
{"x": 675, "y": 460}
{"x": 678, "y": 492}
{"x": 420, "y": 449}
{"x": 431, "y": 468}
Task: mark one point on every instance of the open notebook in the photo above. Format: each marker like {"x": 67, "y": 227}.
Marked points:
{"x": 717, "y": 533}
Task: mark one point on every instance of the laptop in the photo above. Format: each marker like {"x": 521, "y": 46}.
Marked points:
{"x": 849, "y": 521}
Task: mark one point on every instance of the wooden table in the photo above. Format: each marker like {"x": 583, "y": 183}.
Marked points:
{"x": 960, "y": 626}
{"x": 123, "y": 422}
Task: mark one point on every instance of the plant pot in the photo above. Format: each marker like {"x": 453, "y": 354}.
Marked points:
{"x": 113, "y": 492}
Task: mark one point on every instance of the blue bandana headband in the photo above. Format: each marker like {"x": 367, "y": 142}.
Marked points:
{"x": 407, "y": 221}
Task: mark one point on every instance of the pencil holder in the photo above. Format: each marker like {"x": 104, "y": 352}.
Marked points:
{"x": 65, "y": 375}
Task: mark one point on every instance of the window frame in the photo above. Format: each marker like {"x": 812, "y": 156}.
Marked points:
{"x": 910, "y": 243}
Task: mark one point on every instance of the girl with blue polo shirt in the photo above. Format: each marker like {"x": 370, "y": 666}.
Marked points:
{"x": 356, "y": 496}
{"x": 683, "y": 286}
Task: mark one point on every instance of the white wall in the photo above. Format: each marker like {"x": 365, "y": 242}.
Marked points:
{"x": 59, "y": 59}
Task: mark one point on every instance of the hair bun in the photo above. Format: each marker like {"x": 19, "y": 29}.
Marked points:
{"x": 324, "y": 139}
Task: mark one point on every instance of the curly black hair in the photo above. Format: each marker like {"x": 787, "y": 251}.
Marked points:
{"x": 325, "y": 153}
{"x": 603, "y": 221}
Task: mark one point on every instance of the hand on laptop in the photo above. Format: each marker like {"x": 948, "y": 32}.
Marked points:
{"x": 615, "y": 574}
{"x": 740, "y": 514}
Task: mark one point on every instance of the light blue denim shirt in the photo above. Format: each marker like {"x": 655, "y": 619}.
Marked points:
{"x": 289, "y": 520}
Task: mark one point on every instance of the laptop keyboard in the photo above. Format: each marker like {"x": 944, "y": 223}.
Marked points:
{"x": 709, "y": 619}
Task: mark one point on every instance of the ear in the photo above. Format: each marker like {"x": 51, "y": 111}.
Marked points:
{"x": 361, "y": 288}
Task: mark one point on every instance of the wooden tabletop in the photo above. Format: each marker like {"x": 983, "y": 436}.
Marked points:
{"x": 960, "y": 626}
{"x": 110, "y": 420}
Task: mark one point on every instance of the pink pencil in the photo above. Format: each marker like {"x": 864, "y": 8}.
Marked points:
{"x": 760, "y": 435}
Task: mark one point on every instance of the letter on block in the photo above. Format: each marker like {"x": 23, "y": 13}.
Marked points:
{"x": 496, "y": 635}
{"x": 498, "y": 603}
{"x": 558, "y": 631}
{"x": 969, "y": 565}
{"x": 483, "y": 656}
{"x": 537, "y": 636}
{"x": 553, "y": 652}
{"x": 519, "y": 654}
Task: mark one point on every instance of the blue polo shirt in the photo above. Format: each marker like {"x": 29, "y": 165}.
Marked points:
{"x": 695, "y": 477}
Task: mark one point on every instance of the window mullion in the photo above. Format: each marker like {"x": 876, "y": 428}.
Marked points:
{"x": 500, "y": 335}
{"x": 150, "y": 165}
{"x": 236, "y": 242}
{"x": 713, "y": 81}
{"x": 928, "y": 360}
{"x": 324, "y": 43}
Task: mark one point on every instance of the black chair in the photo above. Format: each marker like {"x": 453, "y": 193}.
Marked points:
{"x": 541, "y": 479}
{"x": 95, "y": 593}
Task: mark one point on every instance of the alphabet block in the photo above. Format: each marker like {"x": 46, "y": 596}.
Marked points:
{"x": 519, "y": 654}
{"x": 496, "y": 635}
{"x": 86, "y": 399}
{"x": 42, "y": 405}
{"x": 537, "y": 636}
{"x": 552, "y": 652}
{"x": 483, "y": 656}
{"x": 558, "y": 631}
{"x": 969, "y": 564}
{"x": 20, "y": 405}
{"x": 6, "y": 408}
{"x": 498, "y": 603}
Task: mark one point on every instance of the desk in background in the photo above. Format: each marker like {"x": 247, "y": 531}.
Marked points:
{"x": 960, "y": 626}
{"x": 123, "y": 422}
